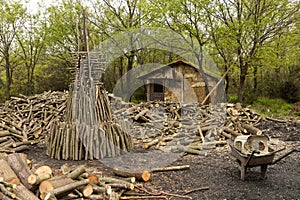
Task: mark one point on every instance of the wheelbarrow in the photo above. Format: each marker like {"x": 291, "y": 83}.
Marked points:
{"x": 257, "y": 157}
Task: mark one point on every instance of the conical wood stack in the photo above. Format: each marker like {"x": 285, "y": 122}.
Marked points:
{"x": 88, "y": 130}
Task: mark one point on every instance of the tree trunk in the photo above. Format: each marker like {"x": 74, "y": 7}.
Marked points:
{"x": 243, "y": 73}
{"x": 8, "y": 73}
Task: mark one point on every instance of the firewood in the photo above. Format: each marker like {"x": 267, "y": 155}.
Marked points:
{"x": 34, "y": 179}
{"x": 171, "y": 168}
{"x": 251, "y": 129}
{"x": 8, "y": 173}
{"x": 23, "y": 193}
{"x": 129, "y": 179}
{"x": 116, "y": 180}
{"x": 76, "y": 173}
{"x": 64, "y": 189}
{"x": 226, "y": 135}
{"x": 87, "y": 190}
{"x": 234, "y": 133}
{"x": 139, "y": 175}
{"x": 153, "y": 142}
{"x": 106, "y": 189}
{"x": 4, "y": 197}
{"x": 42, "y": 170}
{"x": 19, "y": 149}
{"x": 93, "y": 179}
{"x": 55, "y": 182}
{"x": 4, "y": 139}
{"x": 4, "y": 133}
{"x": 143, "y": 112}
{"x": 18, "y": 163}
{"x": 7, "y": 184}
{"x": 8, "y": 193}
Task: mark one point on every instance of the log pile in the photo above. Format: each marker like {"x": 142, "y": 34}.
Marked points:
{"x": 20, "y": 181}
{"x": 26, "y": 120}
{"x": 189, "y": 128}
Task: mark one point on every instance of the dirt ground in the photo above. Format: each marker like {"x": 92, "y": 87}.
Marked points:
{"x": 218, "y": 171}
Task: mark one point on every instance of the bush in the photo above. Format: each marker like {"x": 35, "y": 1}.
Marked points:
{"x": 290, "y": 91}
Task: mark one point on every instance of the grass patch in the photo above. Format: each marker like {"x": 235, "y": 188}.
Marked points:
{"x": 277, "y": 108}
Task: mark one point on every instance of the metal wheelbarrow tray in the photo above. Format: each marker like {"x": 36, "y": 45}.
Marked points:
{"x": 255, "y": 159}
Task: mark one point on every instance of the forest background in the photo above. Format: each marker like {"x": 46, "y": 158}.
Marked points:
{"x": 257, "y": 42}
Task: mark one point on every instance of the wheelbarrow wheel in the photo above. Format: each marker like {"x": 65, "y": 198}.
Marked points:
{"x": 263, "y": 171}
{"x": 243, "y": 172}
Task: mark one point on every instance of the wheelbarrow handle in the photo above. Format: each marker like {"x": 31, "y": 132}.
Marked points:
{"x": 250, "y": 157}
{"x": 285, "y": 155}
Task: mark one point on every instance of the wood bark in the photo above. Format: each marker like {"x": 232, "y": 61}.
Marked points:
{"x": 144, "y": 175}
{"x": 251, "y": 129}
{"x": 64, "y": 189}
{"x": 55, "y": 182}
{"x": 8, "y": 173}
{"x": 23, "y": 193}
{"x": 34, "y": 179}
{"x": 18, "y": 163}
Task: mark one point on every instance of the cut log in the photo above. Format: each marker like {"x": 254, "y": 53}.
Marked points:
{"x": 34, "y": 179}
{"x": 7, "y": 173}
{"x": 139, "y": 175}
{"x": 23, "y": 193}
{"x": 51, "y": 184}
{"x": 18, "y": 163}
{"x": 251, "y": 129}
{"x": 87, "y": 190}
{"x": 42, "y": 170}
{"x": 76, "y": 173}
{"x": 232, "y": 132}
{"x": 65, "y": 189}
{"x": 93, "y": 179}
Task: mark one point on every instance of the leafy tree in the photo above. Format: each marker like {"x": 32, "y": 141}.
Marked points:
{"x": 250, "y": 25}
{"x": 186, "y": 18}
{"x": 31, "y": 43}
{"x": 11, "y": 22}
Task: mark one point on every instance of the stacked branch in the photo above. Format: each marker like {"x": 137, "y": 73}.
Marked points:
{"x": 26, "y": 120}
{"x": 88, "y": 130}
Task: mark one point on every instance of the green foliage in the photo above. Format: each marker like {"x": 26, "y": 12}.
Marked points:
{"x": 232, "y": 99}
{"x": 139, "y": 95}
{"x": 272, "y": 107}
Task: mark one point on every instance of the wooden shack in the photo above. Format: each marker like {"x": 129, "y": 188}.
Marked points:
{"x": 178, "y": 81}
